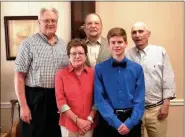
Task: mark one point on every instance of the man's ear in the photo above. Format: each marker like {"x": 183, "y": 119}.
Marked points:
{"x": 149, "y": 33}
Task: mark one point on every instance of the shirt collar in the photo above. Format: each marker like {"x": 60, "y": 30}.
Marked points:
{"x": 71, "y": 68}
{"x": 45, "y": 38}
{"x": 98, "y": 41}
{"x": 145, "y": 50}
{"x": 123, "y": 60}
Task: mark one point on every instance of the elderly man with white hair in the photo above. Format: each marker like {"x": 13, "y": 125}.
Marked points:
{"x": 159, "y": 80}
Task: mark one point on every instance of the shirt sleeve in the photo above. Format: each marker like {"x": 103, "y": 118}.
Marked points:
{"x": 168, "y": 78}
{"x": 94, "y": 107}
{"x": 24, "y": 58}
{"x": 138, "y": 101}
{"x": 65, "y": 107}
{"x": 59, "y": 93}
{"x": 101, "y": 102}
{"x": 65, "y": 59}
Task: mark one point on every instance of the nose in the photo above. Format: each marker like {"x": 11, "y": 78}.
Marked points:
{"x": 137, "y": 34}
{"x": 93, "y": 24}
{"x": 116, "y": 44}
{"x": 77, "y": 55}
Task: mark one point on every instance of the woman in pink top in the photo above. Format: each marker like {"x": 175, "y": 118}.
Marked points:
{"x": 74, "y": 93}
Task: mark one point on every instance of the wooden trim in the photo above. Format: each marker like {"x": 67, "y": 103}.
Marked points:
{"x": 79, "y": 9}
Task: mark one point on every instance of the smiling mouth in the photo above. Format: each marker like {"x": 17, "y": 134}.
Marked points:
{"x": 93, "y": 31}
{"x": 116, "y": 49}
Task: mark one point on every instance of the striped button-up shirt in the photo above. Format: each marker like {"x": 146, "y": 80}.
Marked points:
{"x": 93, "y": 51}
{"x": 159, "y": 76}
{"x": 40, "y": 61}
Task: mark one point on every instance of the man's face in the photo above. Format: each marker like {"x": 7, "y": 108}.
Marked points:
{"x": 93, "y": 26}
{"x": 117, "y": 45}
{"x": 48, "y": 23}
{"x": 140, "y": 35}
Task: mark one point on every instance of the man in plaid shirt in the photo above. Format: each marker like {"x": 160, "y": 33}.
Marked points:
{"x": 39, "y": 57}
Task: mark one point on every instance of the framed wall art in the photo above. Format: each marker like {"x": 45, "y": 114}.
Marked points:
{"x": 17, "y": 28}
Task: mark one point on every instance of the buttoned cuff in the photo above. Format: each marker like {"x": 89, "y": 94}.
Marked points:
{"x": 168, "y": 94}
{"x": 129, "y": 124}
{"x": 116, "y": 122}
{"x": 65, "y": 108}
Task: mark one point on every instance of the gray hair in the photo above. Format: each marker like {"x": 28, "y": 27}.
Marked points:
{"x": 92, "y": 14}
{"x": 42, "y": 10}
{"x": 140, "y": 23}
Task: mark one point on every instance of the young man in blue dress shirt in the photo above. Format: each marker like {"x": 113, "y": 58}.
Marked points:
{"x": 119, "y": 91}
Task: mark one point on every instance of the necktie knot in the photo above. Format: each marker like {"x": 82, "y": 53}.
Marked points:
{"x": 122, "y": 64}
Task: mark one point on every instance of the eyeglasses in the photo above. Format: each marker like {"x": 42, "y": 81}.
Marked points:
{"x": 48, "y": 21}
{"x": 74, "y": 54}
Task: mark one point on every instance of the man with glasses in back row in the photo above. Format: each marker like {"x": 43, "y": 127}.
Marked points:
{"x": 97, "y": 45}
{"x": 39, "y": 57}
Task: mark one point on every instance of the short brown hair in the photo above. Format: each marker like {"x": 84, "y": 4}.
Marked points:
{"x": 117, "y": 32}
{"x": 76, "y": 43}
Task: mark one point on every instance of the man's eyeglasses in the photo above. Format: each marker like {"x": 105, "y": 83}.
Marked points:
{"x": 74, "y": 54}
{"x": 48, "y": 21}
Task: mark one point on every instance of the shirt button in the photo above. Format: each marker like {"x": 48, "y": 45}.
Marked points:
{"x": 119, "y": 71}
{"x": 120, "y": 102}
{"x": 120, "y": 91}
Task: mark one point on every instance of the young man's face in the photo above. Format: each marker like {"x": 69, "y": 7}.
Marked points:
{"x": 117, "y": 45}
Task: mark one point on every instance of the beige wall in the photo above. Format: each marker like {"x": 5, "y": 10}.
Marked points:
{"x": 166, "y": 22}
{"x": 25, "y": 9}
{"x": 164, "y": 19}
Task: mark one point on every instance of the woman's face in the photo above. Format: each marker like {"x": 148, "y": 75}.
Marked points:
{"x": 77, "y": 56}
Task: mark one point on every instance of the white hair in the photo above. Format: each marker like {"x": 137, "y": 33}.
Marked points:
{"x": 42, "y": 10}
{"x": 140, "y": 23}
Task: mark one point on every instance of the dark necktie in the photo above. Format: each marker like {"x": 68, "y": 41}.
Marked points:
{"x": 122, "y": 64}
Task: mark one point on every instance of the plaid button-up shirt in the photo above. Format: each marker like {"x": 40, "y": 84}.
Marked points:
{"x": 40, "y": 61}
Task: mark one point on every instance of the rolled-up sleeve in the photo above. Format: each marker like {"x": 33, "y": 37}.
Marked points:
{"x": 168, "y": 80}
{"x": 59, "y": 93}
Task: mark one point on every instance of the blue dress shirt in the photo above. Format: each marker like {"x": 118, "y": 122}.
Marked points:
{"x": 123, "y": 87}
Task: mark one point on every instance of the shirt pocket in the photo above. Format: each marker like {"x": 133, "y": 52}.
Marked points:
{"x": 153, "y": 67}
{"x": 35, "y": 64}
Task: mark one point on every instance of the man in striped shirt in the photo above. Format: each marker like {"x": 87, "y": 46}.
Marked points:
{"x": 159, "y": 80}
{"x": 39, "y": 57}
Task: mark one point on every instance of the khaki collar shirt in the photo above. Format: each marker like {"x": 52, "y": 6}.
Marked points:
{"x": 93, "y": 51}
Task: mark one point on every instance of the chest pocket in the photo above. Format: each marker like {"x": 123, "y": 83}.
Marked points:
{"x": 43, "y": 58}
{"x": 153, "y": 69}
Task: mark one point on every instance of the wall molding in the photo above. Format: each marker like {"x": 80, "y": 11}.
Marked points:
{"x": 175, "y": 102}
{"x": 5, "y": 105}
